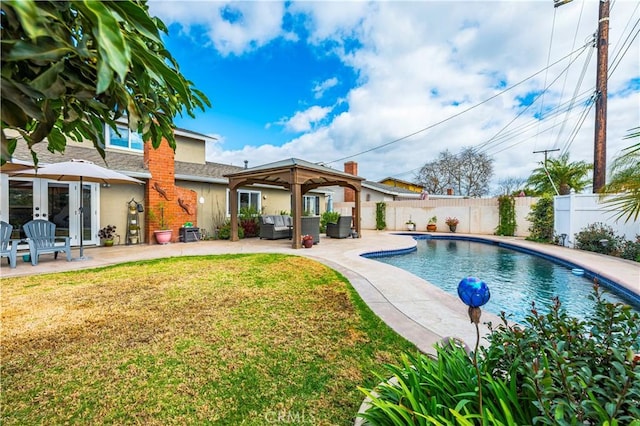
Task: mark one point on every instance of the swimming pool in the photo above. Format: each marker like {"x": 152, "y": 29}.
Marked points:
{"x": 515, "y": 278}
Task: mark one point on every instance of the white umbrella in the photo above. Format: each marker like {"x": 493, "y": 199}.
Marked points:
{"x": 79, "y": 171}
{"x": 15, "y": 165}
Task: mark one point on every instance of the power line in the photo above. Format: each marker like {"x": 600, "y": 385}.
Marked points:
{"x": 457, "y": 114}
{"x": 482, "y": 145}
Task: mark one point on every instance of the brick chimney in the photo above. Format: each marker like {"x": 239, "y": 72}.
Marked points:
{"x": 179, "y": 204}
{"x": 350, "y": 167}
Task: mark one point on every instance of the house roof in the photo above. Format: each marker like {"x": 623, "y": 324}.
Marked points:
{"x": 208, "y": 172}
{"x": 400, "y": 181}
{"x": 129, "y": 163}
{"x": 390, "y": 190}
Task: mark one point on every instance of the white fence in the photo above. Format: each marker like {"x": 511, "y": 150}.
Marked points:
{"x": 476, "y": 215}
{"x": 574, "y": 212}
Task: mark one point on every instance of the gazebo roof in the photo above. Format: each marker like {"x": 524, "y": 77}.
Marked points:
{"x": 294, "y": 170}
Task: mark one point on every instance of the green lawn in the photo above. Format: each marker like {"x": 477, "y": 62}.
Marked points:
{"x": 234, "y": 339}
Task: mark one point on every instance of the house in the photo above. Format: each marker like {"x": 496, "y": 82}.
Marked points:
{"x": 183, "y": 183}
{"x": 398, "y": 183}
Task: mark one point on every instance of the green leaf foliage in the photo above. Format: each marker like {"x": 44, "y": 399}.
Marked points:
{"x": 328, "y": 217}
{"x": 506, "y": 216}
{"x": 541, "y": 218}
{"x": 554, "y": 370}
{"x": 625, "y": 181}
{"x": 381, "y": 216}
{"x": 70, "y": 68}
{"x": 564, "y": 174}
{"x": 599, "y": 238}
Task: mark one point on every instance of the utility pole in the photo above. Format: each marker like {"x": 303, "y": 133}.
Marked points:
{"x": 544, "y": 166}
{"x": 546, "y": 151}
{"x": 600, "y": 136}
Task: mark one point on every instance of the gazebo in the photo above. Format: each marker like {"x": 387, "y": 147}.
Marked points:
{"x": 299, "y": 177}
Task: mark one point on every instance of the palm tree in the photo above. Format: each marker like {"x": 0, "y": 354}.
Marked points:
{"x": 565, "y": 176}
{"x": 625, "y": 181}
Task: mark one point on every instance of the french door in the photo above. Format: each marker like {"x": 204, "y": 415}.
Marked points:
{"x": 58, "y": 202}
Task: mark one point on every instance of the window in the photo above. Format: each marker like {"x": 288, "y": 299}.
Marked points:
{"x": 311, "y": 205}
{"x": 246, "y": 199}
{"x": 126, "y": 139}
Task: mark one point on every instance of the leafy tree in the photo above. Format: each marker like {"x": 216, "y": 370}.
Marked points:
{"x": 70, "y": 67}
{"x": 511, "y": 185}
{"x": 564, "y": 174}
{"x": 625, "y": 181}
{"x": 468, "y": 173}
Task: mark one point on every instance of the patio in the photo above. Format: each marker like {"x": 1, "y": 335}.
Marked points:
{"x": 419, "y": 312}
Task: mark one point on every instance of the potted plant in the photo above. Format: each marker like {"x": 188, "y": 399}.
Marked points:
{"x": 307, "y": 241}
{"x": 411, "y": 225}
{"x": 452, "y": 222}
{"x": 107, "y": 234}
{"x": 158, "y": 215}
{"x": 432, "y": 224}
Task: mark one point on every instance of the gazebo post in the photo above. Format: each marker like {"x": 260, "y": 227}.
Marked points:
{"x": 356, "y": 219}
{"x": 233, "y": 200}
{"x": 296, "y": 202}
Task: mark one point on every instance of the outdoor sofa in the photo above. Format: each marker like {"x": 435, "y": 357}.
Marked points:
{"x": 275, "y": 227}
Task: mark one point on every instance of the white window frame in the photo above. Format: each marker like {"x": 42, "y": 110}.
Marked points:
{"x": 256, "y": 194}
{"x": 311, "y": 201}
{"x": 131, "y": 137}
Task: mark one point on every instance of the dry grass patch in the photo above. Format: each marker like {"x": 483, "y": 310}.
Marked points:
{"x": 221, "y": 339}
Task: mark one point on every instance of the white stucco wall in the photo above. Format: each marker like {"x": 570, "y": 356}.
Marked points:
{"x": 476, "y": 215}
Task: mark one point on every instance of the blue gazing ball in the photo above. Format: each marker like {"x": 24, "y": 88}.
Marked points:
{"x": 473, "y": 292}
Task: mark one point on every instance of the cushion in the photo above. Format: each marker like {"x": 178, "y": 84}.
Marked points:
{"x": 268, "y": 220}
{"x": 279, "y": 221}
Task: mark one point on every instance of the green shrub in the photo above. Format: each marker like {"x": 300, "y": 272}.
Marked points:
{"x": 576, "y": 371}
{"x": 248, "y": 222}
{"x": 381, "y": 213}
{"x": 631, "y": 249}
{"x": 593, "y": 237}
{"x": 328, "y": 217}
{"x": 541, "y": 218}
{"x": 224, "y": 231}
{"x": 427, "y": 390}
{"x": 554, "y": 370}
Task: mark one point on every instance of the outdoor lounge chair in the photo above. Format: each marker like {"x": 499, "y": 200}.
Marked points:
{"x": 42, "y": 239}
{"x": 342, "y": 229}
{"x": 311, "y": 226}
{"x": 9, "y": 247}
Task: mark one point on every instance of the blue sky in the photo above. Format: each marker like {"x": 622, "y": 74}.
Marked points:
{"x": 337, "y": 81}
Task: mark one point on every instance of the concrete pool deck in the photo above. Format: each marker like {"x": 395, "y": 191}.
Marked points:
{"x": 420, "y": 312}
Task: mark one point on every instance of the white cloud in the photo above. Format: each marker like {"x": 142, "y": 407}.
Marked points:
{"x": 303, "y": 121}
{"x": 422, "y": 63}
{"x": 322, "y": 87}
{"x": 232, "y": 27}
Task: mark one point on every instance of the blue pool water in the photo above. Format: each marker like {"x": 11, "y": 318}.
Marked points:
{"x": 515, "y": 279}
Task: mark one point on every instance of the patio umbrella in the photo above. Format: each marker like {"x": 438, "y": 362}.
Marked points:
{"x": 16, "y": 165}
{"x": 79, "y": 171}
